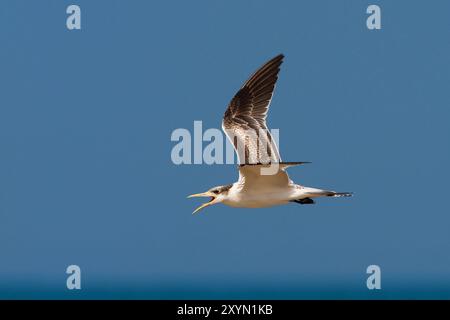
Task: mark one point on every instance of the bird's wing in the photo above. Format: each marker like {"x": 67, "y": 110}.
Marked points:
{"x": 251, "y": 178}
{"x": 244, "y": 121}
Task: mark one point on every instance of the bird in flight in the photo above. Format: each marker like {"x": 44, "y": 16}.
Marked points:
{"x": 263, "y": 180}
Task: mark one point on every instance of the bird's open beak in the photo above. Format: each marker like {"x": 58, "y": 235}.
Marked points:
{"x": 204, "y": 194}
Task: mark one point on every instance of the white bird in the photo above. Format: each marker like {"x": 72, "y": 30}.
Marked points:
{"x": 263, "y": 181}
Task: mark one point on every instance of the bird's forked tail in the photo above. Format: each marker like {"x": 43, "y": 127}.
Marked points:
{"x": 313, "y": 192}
{"x": 339, "y": 194}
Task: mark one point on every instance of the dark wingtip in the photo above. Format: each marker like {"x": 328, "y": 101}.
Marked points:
{"x": 277, "y": 59}
{"x": 286, "y": 163}
{"x": 296, "y": 162}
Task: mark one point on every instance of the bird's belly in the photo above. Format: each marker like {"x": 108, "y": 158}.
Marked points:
{"x": 258, "y": 200}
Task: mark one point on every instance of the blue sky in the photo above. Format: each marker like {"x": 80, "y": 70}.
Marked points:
{"x": 86, "y": 176}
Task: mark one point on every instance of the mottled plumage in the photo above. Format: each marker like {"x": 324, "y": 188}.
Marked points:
{"x": 244, "y": 121}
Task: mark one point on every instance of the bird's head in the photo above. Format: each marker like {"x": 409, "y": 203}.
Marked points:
{"x": 217, "y": 194}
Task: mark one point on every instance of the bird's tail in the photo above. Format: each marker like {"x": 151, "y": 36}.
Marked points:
{"x": 326, "y": 193}
{"x": 339, "y": 194}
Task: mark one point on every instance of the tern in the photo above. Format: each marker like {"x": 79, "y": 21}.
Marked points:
{"x": 263, "y": 180}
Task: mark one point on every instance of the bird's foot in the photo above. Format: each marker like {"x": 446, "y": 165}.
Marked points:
{"x": 304, "y": 201}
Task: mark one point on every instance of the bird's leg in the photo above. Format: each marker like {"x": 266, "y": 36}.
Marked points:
{"x": 304, "y": 201}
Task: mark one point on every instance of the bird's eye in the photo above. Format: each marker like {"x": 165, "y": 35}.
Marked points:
{"x": 215, "y": 191}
